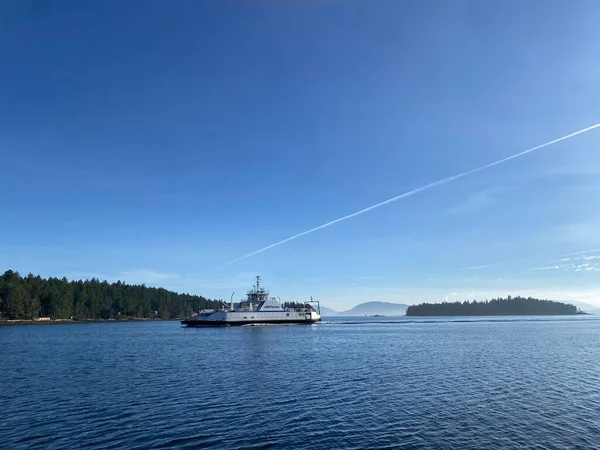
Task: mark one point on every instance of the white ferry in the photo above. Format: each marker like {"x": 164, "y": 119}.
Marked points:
{"x": 258, "y": 308}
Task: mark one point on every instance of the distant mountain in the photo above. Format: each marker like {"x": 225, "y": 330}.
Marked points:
{"x": 327, "y": 312}
{"x": 380, "y": 308}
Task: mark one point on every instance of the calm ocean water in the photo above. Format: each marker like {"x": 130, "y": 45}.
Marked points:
{"x": 345, "y": 383}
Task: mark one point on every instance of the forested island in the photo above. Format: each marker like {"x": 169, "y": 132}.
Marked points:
{"x": 511, "y": 306}
{"x": 32, "y": 297}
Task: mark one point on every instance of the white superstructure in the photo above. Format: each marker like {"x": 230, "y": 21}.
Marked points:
{"x": 258, "y": 308}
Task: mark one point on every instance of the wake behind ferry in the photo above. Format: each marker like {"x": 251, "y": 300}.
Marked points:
{"x": 258, "y": 308}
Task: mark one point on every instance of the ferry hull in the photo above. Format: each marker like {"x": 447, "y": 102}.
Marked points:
{"x": 220, "y": 323}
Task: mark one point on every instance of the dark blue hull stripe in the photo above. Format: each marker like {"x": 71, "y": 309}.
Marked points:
{"x": 223, "y": 323}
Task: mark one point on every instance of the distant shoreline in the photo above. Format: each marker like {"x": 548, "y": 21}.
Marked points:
{"x": 511, "y": 306}
{"x": 500, "y": 315}
{"x": 69, "y": 321}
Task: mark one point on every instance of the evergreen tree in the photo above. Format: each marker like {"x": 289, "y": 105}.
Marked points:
{"x": 29, "y": 297}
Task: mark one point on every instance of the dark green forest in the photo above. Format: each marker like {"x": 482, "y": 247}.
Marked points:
{"x": 30, "y": 297}
{"x": 511, "y": 306}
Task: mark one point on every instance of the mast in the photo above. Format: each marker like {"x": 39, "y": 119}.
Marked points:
{"x": 257, "y": 294}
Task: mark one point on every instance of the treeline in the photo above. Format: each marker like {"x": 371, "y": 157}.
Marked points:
{"x": 31, "y": 297}
{"x": 510, "y": 306}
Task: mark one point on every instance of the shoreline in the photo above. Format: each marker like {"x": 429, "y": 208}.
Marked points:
{"x": 499, "y": 315}
{"x": 71, "y": 322}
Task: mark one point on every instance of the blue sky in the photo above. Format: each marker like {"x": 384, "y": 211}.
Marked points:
{"x": 155, "y": 141}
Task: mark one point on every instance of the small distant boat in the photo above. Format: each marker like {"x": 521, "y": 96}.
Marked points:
{"x": 257, "y": 309}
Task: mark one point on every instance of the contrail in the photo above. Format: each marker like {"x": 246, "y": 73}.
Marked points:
{"x": 485, "y": 266}
{"x": 413, "y": 192}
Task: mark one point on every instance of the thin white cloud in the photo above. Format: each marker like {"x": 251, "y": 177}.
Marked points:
{"x": 565, "y": 264}
{"x": 585, "y": 267}
{"x": 580, "y": 258}
{"x": 545, "y": 268}
{"x": 592, "y": 265}
{"x": 583, "y": 252}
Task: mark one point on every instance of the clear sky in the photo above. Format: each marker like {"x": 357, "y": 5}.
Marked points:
{"x": 153, "y": 141}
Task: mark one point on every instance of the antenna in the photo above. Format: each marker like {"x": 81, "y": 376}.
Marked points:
{"x": 318, "y": 304}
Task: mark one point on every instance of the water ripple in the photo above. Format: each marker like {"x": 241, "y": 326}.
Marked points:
{"x": 414, "y": 384}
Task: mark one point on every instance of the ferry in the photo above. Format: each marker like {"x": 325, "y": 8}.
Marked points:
{"x": 258, "y": 309}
